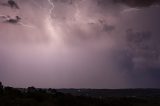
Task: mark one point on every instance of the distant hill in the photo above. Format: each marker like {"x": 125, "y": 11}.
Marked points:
{"x": 113, "y": 92}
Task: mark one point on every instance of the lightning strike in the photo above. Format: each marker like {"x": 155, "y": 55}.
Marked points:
{"x": 54, "y": 31}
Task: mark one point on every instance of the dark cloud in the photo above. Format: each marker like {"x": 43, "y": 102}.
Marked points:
{"x": 108, "y": 28}
{"x": 143, "y": 43}
{"x": 10, "y": 3}
{"x": 148, "y": 78}
{"x": 138, "y": 3}
{"x": 65, "y": 1}
{"x": 138, "y": 37}
{"x": 130, "y": 3}
{"x": 145, "y": 53}
{"x": 15, "y": 20}
{"x": 13, "y": 4}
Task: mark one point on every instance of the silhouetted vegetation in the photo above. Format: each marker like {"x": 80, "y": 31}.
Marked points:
{"x": 50, "y": 97}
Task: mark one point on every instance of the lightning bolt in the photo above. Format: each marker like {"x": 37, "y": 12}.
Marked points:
{"x": 53, "y": 30}
{"x": 51, "y": 10}
{"x": 26, "y": 25}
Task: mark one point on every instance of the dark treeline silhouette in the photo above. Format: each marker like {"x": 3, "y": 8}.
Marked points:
{"x": 32, "y": 96}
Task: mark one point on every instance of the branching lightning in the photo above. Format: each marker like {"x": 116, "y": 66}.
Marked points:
{"x": 52, "y": 30}
{"x": 51, "y": 10}
{"x": 26, "y": 25}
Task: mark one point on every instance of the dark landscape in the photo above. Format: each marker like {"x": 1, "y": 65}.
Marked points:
{"x": 32, "y": 96}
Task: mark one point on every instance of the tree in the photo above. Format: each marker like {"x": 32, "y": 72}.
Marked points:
{"x": 1, "y": 86}
{"x": 31, "y": 89}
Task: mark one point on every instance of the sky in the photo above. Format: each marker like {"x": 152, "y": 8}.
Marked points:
{"x": 80, "y": 44}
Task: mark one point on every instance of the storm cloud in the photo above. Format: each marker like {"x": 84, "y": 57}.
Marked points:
{"x": 81, "y": 44}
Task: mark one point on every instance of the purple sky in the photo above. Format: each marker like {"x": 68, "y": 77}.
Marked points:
{"x": 81, "y": 44}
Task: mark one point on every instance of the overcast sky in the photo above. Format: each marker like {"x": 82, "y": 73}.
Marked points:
{"x": 81, "y": 44}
